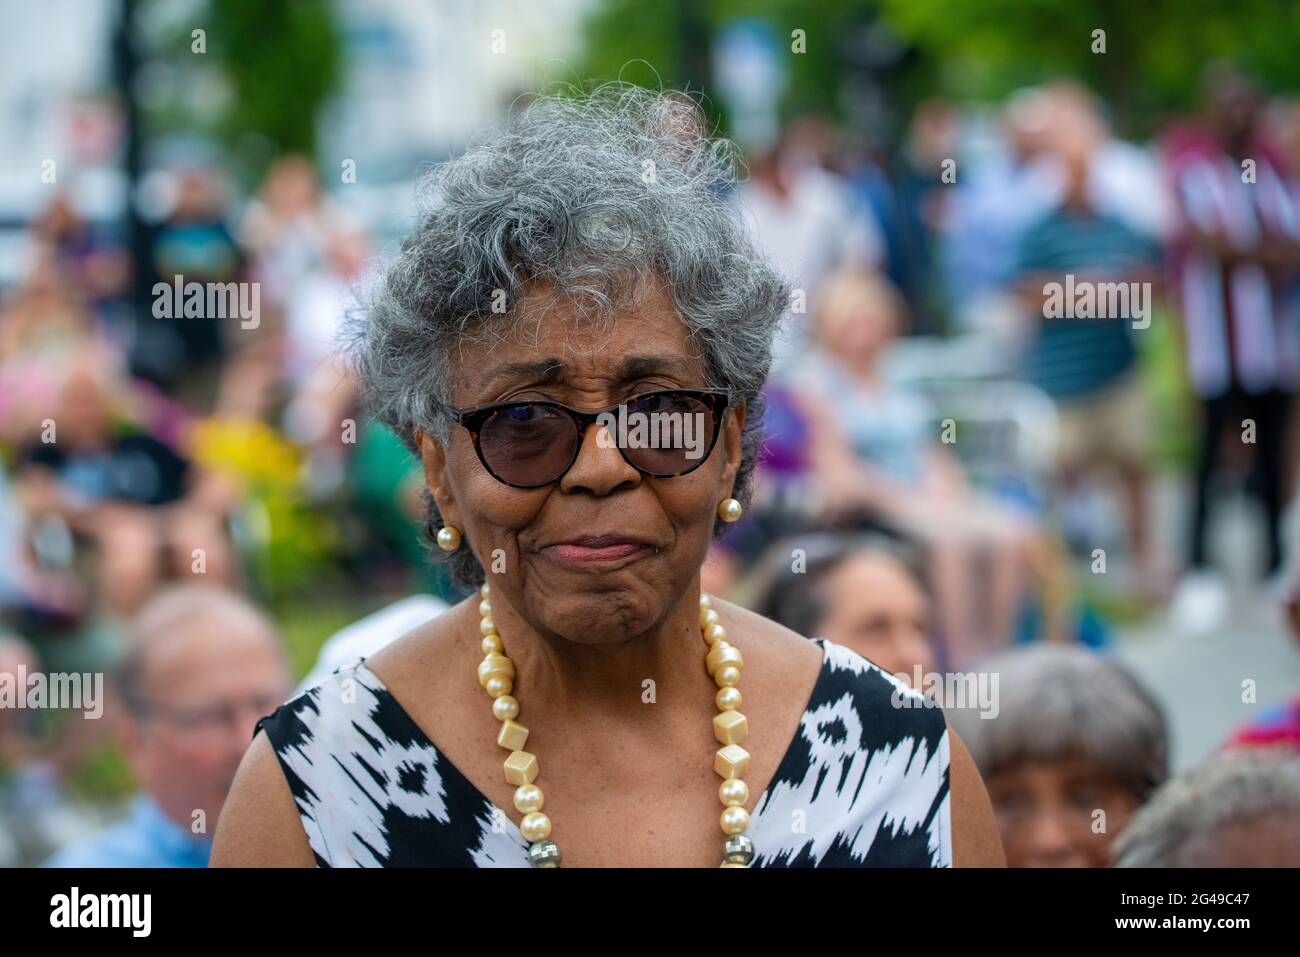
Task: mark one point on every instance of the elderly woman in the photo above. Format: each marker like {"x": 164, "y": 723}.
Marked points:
{"x": 1239, "y": 809}
{"x": 585, "y": 705}
{"x": 1075, "y": 748}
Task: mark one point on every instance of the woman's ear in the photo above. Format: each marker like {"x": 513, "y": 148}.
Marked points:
{"x": 433, "y": 457}
{"x": 733, "y": 426}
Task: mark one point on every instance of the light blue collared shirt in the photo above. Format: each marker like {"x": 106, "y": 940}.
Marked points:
{"x": 144, "y": 838}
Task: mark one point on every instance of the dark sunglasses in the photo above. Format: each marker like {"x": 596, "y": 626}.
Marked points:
{"x": 534, "y": 443}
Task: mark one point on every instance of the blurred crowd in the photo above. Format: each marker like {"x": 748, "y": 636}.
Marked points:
{"x": 951, "y": 462}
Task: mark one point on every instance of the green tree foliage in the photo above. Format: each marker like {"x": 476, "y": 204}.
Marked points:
{"x": 968, "y": 49}
{"x": 667, "y": 43}
{"x": 1155, "y": 49}
{"x": 265, "y": 71}
{"x": 283, "y": 60}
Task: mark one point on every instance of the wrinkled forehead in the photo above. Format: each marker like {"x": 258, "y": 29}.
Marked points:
{"x": 553, "y": 338}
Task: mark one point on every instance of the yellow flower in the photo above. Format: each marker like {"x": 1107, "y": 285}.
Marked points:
{"x": 247, "y": 450}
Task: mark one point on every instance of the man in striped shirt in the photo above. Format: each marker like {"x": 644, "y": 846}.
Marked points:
{"x": 1072, "y": 263}
{"x": 1236, "y": 268}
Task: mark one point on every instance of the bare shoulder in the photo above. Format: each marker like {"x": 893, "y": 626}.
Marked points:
{"x": 412, "y": 666}
{"x": 975, "y": 839}
{"x": 259, "y": 824}
{"x": 778, "y": 652}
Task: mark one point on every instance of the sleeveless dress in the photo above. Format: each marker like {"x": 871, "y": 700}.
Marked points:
{"x": 863, "y": 783}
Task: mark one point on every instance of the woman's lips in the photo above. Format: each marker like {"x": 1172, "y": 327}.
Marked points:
{"x": 595, "y": 551}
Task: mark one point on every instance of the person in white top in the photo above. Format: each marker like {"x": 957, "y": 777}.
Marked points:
{"x": 364, "y": 637}
{"x": 804, "y": 221}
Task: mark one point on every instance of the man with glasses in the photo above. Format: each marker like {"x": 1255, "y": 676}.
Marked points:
{"x": 202, "y": 667}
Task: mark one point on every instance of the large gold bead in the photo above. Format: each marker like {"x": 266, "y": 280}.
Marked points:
{"x": 492, "y": 643}
{"x": 505, "y": 707}
{"x": 495, "y": 664}
{"x": 727, "y": 699}
{"x": 731, "y": 761}
{"x": 730, "y": 727}
{"x": 723, "y": 654}
{"x": 513, "y": 735}
{"x": 521, "y": 768}
{"x": 498, "y": 685}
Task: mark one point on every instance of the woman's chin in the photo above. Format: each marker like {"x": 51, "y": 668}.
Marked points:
{"x": 599, "y": 610}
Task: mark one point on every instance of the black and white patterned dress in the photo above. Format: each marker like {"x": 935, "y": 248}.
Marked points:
{"x": 864, "y": 782}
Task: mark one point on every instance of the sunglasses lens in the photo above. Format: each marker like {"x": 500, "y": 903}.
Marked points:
{"x": 668, "y": 433}
{"x": 528, "y": 444}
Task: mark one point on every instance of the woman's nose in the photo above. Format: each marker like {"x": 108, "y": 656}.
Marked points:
{"x": 1051, "y": 837}
{"x": 600, "y": 467}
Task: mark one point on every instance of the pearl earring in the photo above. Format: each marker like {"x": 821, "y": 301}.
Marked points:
{"x": 729, "y": 510}
{"x": 449, "y": 538}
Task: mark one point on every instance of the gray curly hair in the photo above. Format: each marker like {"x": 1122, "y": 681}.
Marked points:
{"x": 591, "y": 193}
{"x": 1060, "y": 701}
{"x": 1179, "y": 825}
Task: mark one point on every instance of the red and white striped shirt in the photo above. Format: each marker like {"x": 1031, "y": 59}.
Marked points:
{"x": 1242, "y": 327}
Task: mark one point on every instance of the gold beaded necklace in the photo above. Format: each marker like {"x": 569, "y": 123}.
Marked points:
{"x": 496, "y": 674}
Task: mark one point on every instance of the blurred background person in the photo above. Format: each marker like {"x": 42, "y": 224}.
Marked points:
{"x": 36, "y": 814}
{"x": 147, "y": 511}
{"x": 90, "y": 255}
{"x": 878, "y": 457}
{"x": 908, "y": 196}
{"x": 323, "y": 392}
{"x": 194, "y": 243}
{"x": 1088, "y": 364}
{"x": 287, "y": 228}
{"x": 1238, "y": 810}
{"x": 44, "y": 320}
{"x": 1236, "y": 261}
{"x": 803, "y": 219}
{"x": 1278, "y": 725}
{"x": 17, "y": 657}
{"x": 1076, "y": 747}
{"x": 989, "y": 210}
{"x": 854, "y": 590}
{"x": 202, "y": 667}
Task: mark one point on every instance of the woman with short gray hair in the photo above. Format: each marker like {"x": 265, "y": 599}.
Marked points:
{"x": 1075, "y": 747}
{"x": 573, "y": 341}
{"x": 1240, "y": 809}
